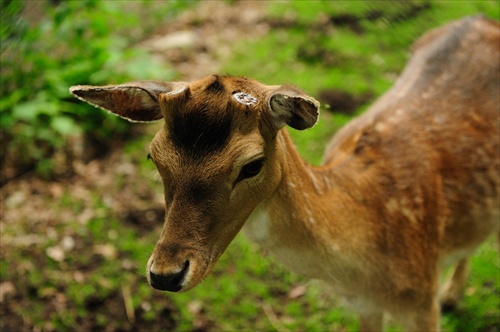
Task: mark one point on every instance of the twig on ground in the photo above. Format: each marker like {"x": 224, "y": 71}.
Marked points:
{"x": 129, "y": 305}
{"x": 268, "y": 310}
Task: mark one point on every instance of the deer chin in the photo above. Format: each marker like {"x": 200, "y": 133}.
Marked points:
{"x": 179, "y": 277}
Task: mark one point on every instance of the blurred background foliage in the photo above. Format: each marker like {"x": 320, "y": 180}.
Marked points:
{"x": 74, "y": 247}
{"x": 48, "y": 46}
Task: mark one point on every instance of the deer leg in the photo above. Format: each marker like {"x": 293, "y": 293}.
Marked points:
{"x": 426, "y": 319}
{"x": 371, "y": 322}
{"x": 453, "y": 290}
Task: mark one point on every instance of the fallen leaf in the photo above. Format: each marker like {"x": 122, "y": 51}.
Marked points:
{"x": 56, "y": 253}
{"x": 6, "y": 288}
{"x": 195, "y": 307}
{"x": 106, "y": 250}
{"x": 297, "y": 292}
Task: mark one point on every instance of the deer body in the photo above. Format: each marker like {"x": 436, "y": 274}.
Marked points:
{"x": 406, "y": 189}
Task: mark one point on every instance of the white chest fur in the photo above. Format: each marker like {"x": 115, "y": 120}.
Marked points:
{"x": 257, "y": 227}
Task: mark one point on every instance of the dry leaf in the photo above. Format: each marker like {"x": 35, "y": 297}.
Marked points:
{"x": 297, "y": 292}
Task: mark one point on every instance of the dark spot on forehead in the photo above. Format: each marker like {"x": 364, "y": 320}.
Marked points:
{"x": 201, "y": 130}
{"x": 215, "y": 87}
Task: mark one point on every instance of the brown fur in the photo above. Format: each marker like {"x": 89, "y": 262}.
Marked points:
{"x": 406, "y": 189}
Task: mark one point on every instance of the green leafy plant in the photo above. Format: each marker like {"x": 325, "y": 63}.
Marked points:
{"x": 74, "y": 42}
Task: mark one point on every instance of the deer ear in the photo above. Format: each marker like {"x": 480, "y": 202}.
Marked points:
{"x": 134, "y": 101}
{"x": 290, "y": 106}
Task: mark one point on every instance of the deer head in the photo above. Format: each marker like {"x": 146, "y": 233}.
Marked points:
{"x": 217, "y": 155}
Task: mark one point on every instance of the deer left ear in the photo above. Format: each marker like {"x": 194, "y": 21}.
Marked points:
{"x": 290, "y": 106}
{"x": 134, "y": 101}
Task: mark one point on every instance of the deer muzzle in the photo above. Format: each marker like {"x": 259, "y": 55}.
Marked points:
{"x": 170, "y": 281}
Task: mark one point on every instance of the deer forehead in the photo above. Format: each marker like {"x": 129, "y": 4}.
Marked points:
{"x": 200, "y": 120}
{"x": 209, "y": 159}
{"x": 238, "y": 90}
{"x": 211, "y": 128}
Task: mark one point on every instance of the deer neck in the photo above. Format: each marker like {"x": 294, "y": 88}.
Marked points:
{"x": 294, "y": 221}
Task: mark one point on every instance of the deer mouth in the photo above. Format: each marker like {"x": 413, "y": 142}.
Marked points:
{"x": 171, "y": 282}
{"x": 180, "y": 276}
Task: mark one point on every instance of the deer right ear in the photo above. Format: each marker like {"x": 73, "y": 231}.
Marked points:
{"x": 135, "y": 101}
{"x": 290, "y": 106}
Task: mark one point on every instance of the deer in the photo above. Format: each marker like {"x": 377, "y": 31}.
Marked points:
{"x": 406, "y": 189}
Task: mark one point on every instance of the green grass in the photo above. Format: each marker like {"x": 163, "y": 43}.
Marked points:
{"x": 247, "y": 291}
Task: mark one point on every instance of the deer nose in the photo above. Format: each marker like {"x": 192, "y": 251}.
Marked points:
{"x": 168, "y": 282}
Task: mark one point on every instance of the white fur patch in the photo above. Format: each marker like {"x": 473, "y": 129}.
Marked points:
{"x": 245, "y": 98}
{"x": 256, "y": 228}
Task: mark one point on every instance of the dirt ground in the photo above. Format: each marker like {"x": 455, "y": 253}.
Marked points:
{"x": 198, "y": 40}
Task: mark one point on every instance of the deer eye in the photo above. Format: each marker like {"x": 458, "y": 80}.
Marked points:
{"x": 251, "y": 169}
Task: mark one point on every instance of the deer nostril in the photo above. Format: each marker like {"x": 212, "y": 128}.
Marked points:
{"x": 169, "y": 282}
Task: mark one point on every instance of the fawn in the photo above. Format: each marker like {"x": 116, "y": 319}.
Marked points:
{"x": 406, "y": 189}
